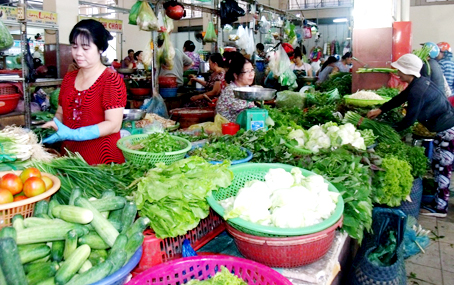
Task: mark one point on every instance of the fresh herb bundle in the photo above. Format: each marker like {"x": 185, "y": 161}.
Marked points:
{"x": 219, "y": 151}
{"x": 157, "y": 143}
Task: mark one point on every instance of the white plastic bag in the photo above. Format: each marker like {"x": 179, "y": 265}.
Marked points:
{"x": 250, "y": 43}
{"x": 242, "y": 37}
{"x": 265, "y": 25}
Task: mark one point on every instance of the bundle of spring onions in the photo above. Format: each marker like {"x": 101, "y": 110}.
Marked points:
{"x": 423, "y": 54}
{"x": 18, "y": 144}
{"x": 376, "y": 69}
{"x": 384, "y": 132}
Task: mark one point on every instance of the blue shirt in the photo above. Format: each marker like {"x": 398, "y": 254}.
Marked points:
{"x": 447, "y": 66}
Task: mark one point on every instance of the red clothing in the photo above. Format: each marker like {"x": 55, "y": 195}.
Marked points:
{"x": 108, "y": 92}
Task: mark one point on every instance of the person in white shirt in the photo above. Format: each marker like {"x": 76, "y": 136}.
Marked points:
{"x": 300, "y": 68}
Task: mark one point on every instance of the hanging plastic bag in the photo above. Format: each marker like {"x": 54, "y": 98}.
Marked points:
{"x": 168, "y": 23}
{"x": 210, "y": 35}
{"x": 166, "y": 53}
{"x": 269, "y": 39}
{"x": 146, "y": 20}
{"x": 307, "y": 33}
{"x": 250, "y": 48}
{"x": 6, "y": 39}
{"x": 156, "y": 105}
{"x": 230, "y": 11}
{"x": 134, "y": 12}
{"x": 286, "y": 75}
{"x": 227, "y": 28}
{"x": 395, "y": 82}
{"x": 161, "y": 25}
{"x": 265, "y": 25}
{"x": 243, "y": 37}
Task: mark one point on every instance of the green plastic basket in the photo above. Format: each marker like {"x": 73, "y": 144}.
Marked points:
{"x": 257, "y": 171}
{"x": 140, "y": 157}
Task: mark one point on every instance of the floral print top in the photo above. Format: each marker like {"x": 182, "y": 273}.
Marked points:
{"x": 229, "y": 106}
{"x": 212, "y": 80}
{"x": 195, "y": 59}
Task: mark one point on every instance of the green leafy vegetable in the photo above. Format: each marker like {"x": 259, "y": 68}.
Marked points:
{"x": 219, "y": 151}
{"x": 341, "y": 80}
{"x": 224, "y": 277}
{"x": 392, "y": 185}
{"x": 173, "y": 196}
{"x": 157, "y": 143}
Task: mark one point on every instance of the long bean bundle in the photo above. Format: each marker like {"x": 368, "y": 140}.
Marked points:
{"x": 384, "y": 132}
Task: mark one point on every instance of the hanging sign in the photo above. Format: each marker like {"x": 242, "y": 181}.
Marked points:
{"x": 33, "y": 16}
{"x": 112, "y": 25}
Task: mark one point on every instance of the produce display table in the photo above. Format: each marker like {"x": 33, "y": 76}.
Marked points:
{"x": 322, "y": 272}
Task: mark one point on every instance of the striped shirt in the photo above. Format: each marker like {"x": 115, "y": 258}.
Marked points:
{"x": 447, "y": 65}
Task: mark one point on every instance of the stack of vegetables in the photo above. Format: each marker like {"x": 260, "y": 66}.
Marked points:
{"x": 79, "y": 243}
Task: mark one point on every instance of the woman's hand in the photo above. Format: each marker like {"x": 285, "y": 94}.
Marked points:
{"x": 196, "y": 97}
{"x": 50, "y": 124}
{"x": 191, "y": 76}
{"x": 372, "y": 114}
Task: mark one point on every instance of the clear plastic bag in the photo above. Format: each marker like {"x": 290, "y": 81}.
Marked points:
{"x": 250, "y": 43}
{"x": 157, "y": 106}
{"x": 166, "y": 53}
{"x": 6, "y": 39}
{"x": 242, "y": 37}
{"x": 146, "y": 19}
{"x": 210, "y": 35}
{"x": 265, "y": 25}
{"x": 269, "y": 39}
{"x": 290, "y": 99}
{"x": 134, "y": 12}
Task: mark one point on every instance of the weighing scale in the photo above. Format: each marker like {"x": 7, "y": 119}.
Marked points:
{"x": 130, "y": 116}
{"x": 254, "y": 118}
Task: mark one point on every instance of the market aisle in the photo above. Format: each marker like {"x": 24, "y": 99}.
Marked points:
{"x": 436, "y": 266}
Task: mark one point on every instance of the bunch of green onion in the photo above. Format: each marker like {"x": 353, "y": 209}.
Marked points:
{"x": 14, "y": 145}
{"x": 423, "y": 54}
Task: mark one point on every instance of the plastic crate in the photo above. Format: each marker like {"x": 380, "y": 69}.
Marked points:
{"x": 157, "y": 251}
{"x": 8, "y": 88}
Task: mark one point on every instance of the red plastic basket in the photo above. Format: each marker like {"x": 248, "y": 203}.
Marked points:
{"x": 8, "y": 88}
{"x": 182, "y": 270}
{"x": 157, "y": 251}
{"x": 8, "y": 103}
{"x": 285, "y": 251}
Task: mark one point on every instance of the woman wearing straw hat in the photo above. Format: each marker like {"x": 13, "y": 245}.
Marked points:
{"x": 428, "y": 105}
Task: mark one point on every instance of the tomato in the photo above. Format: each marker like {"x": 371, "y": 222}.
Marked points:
{"x": 20, "y": 198}
{"x": 5, "y": 196}
{"x": 49, "y": 183}
{"x": 12, "y": 183}
{"x": 29, "y": 172}
{"x": 34, "y": 186}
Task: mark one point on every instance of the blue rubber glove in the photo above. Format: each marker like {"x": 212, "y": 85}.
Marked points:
{"x": 65, "y": 133}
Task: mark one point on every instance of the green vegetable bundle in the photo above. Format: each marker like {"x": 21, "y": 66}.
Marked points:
{"x": 224, "y": 277}
{"x": 174, "y": 196}
{"x": 219, "y": 151}
{"x": 376, "y": 69}
{"x": 341, "y": 80}
{"x": 414, "y": 155}
{"x": 157, "y": 143}
{"x": 393, "y": 185}
{"x": 6, "y": 39}
{"x": 384, "y": 132}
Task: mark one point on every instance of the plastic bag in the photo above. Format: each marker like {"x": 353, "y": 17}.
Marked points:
{"x": 211, "y": 127}
{"x": 250, "y": 48}
{"x": 166, "y": 53}
{"x": 265, "y": 25}
{"x": 228, "y": 28}
{"x": 242, "y": 37}
{"x": 146, "y": 20}
{"x": 210, "y": 35}
{"x": 269, "y": 39}
{"x": 395, "y": 82}
{"x": 230, "y": 11}
{"x": 157, "y": 106}
{"x": 134, "y": 12}
{"x": 290, "y": 99}
{"x": 161, "y": 25}
{"x": 6, "y": 39}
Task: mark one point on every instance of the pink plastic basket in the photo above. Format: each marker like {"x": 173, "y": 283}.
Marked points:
{"x": 181, "y": 271}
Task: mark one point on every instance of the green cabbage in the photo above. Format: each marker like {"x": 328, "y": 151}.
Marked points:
{"x": 6, "y": 39}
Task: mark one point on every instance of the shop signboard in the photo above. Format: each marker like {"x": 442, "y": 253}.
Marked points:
{"x": 112, "y": 25}
{"x": 33, "y": 16}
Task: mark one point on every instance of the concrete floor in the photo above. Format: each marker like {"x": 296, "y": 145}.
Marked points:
{"x": 436, "y": 266}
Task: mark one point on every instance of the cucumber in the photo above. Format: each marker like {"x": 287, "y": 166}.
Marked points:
{"x": 32, "y": 252}
{"x": 41, "y": 260}
{"x": 134, "y": 242}
{"x": 18, "y": 222}
{"x": 87, "y": 265}
{"x": 97, "y": 256}
{"x": 2, "y": 277}
{"x": 53, "y": 202}
{"x": 41, "y": 207}
{"x": 74, "y": 194}
{"x": 44, "y": 216}
{"x": 72, "y": 264}
{"x": 109, "y": 203}
{"x": 10, "y": 263}
{"x": 44, "y": 273}
{"x": 105, "y": 229}
{"x": 38, "y": 222}
{"x": 128, "y": 216}
{"x": 72, "y": 214}
{"x": 93, "y": 275}
{"x": 115, "y": 218}
{"x": 118, "y": 259}
{"x": 32, "y": 267}
{"x": 49, "y": 281}
{"x": 139, "y": 226}
{"x": 108, "y": 193}
{"x": 70, "y": 243}
{"x": 57, "y": 250}
{"x": 8, "y": 232}
{"x": 120, "y": 244}
{"x": 47, "y": 233}
{"x": 94, "y": 241}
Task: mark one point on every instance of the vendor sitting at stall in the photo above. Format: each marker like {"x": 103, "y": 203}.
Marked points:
{"x": 241, "y": 74}
{"x": 299, "y": 67}
{"x": 216, "y": 81}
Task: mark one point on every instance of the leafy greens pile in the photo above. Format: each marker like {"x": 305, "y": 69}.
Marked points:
{"x": 174, "y": 196}
{"x": 219, "y": 151}
{"x": 158, "y": 142}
